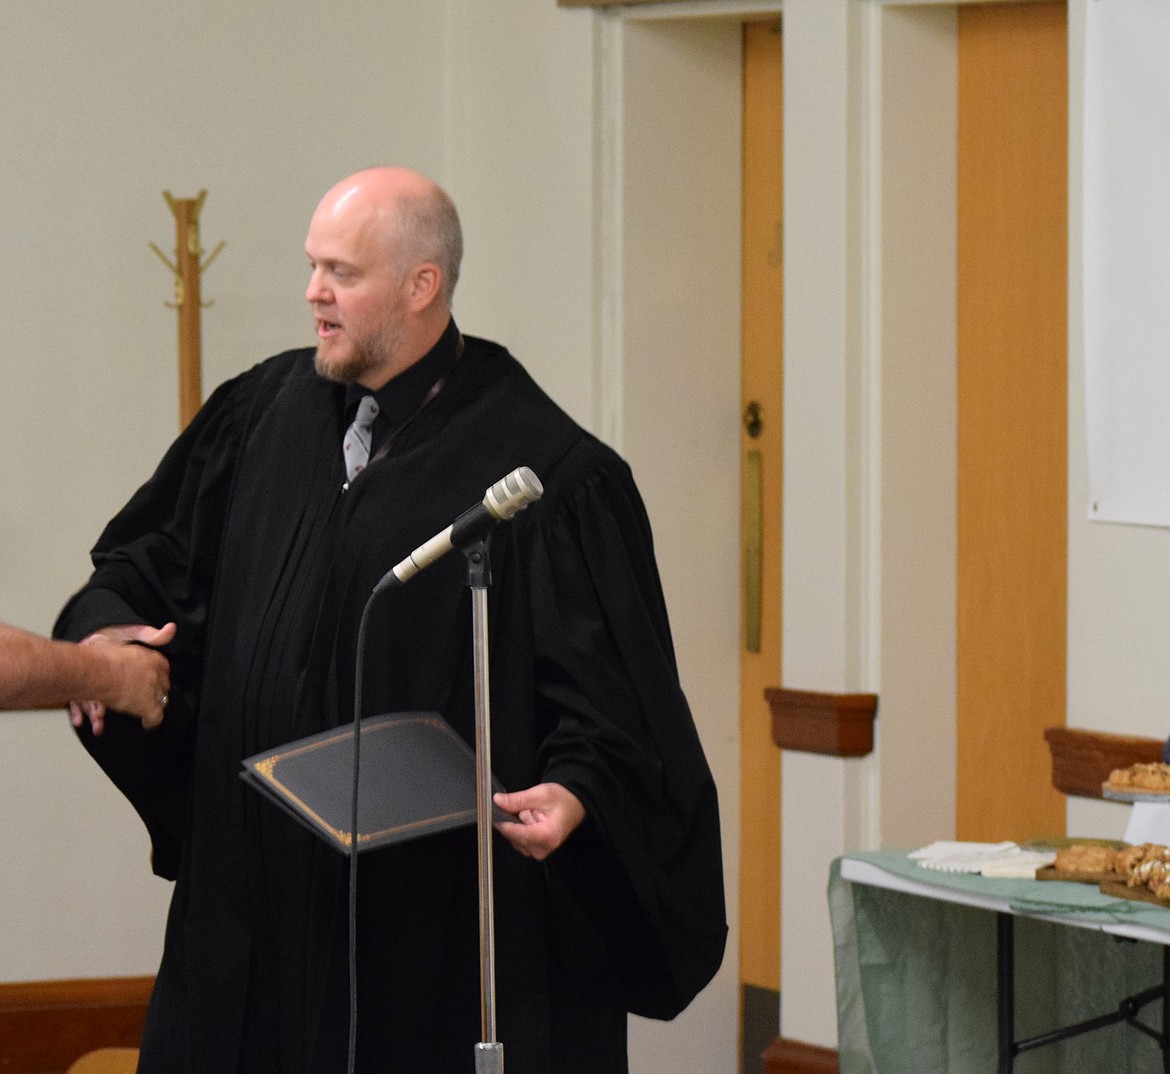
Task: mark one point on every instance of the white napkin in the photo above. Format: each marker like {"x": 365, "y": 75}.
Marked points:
{"x": 989, "y": 859}
{"x": 1019, "y": 863}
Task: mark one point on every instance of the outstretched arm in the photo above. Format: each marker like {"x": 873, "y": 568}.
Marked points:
{"x": 37, "y": 673}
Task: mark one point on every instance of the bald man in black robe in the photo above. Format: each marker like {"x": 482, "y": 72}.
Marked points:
{"x": 608, "y": 887}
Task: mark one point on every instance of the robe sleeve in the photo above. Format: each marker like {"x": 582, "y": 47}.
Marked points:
{"x": 641, "y": 883}
{"x": 154, "y": 564}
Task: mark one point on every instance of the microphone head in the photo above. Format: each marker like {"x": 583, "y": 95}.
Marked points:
{"x": 513, "y": 493}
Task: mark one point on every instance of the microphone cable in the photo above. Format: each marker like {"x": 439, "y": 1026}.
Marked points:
{"x": 353, "y": 831}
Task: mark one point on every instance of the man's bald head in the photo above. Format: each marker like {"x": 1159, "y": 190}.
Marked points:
{"x": 384, "y": 247}
{"x": 407, "y": 213}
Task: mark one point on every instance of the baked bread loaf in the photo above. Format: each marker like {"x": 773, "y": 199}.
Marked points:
{"x": 1086, "y": 858}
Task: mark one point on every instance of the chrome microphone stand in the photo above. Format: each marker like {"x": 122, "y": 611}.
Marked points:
{"x": 489, "y": 1053}
{"x": 471, "y": 534}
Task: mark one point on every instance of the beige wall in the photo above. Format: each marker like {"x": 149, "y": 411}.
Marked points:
{"x": 674, "y": 272}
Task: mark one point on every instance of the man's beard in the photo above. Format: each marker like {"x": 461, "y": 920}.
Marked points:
{"x": 364, "y": 357}
{"x": 347, "y": 370}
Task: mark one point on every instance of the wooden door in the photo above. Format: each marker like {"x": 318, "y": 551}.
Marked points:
{"x": 1012, "y": 416}
{"x": 761, "y": 459}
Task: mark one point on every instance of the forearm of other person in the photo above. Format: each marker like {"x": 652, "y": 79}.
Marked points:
{"x": 37, "y": 673}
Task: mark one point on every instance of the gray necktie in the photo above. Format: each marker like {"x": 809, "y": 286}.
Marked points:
{"x": 356, "y": 445}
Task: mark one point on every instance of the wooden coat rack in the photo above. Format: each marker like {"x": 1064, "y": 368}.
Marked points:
{"x": 187, "y": 270}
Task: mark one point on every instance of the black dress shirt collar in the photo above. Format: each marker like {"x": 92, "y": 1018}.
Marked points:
{"x": 401, "y": 397}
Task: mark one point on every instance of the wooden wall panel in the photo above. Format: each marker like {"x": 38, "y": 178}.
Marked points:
{"x": 1012, "y": 423}
{"x": 763, "y": 342}
{"x": 45, "y": 1025}
{"x": 761, "y": 444}
{"x": 795, "y": 1057}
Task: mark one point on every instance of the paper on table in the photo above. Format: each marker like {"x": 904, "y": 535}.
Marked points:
{"x": 948, "y": 856}
{"x": 1018, "y": 863}
{"x": 990, "y": 859}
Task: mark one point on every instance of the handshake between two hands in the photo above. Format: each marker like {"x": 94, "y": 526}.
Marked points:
{"x": 138, "y": 676}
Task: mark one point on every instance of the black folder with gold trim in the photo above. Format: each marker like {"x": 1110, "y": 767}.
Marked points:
{"x": 416, "y": 777}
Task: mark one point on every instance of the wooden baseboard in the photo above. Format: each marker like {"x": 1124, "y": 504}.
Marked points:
{"x": 795, "y": 1057}
{"x": 46, "y": 1025}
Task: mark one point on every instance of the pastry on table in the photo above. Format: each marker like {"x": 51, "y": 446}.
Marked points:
{"x": 1151, "y": 776}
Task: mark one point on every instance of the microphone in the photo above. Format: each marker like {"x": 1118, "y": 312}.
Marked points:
{"x": 502, "y": 502}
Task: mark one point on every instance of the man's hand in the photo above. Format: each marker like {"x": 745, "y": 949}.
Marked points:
{"x": 139, "y": 678}
{"x": 547, "y": 815}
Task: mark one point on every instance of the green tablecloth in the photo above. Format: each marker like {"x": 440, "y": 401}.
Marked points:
{"x": 916, "y": 977}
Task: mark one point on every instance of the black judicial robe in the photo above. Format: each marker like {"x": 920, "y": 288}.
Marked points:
{"x": 245, "y": 539}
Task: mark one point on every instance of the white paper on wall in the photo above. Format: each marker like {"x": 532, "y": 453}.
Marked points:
{"x": 1127, "y": 260}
